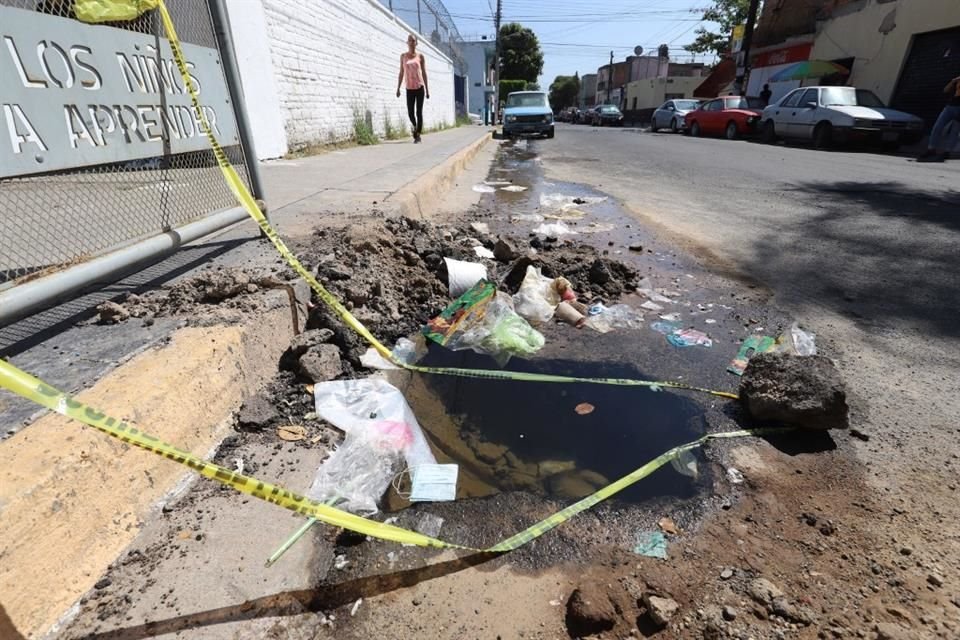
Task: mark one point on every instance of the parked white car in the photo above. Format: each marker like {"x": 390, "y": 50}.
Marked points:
{"x": 670, "y": 114}
{"x": 828, "y": 115}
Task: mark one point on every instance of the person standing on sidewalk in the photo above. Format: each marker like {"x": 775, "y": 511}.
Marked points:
{"x": 950, "y": 114}
{"x": 413, "y": 67}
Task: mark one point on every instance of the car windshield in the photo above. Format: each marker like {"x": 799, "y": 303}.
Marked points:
{"x": 527, "y": 100}
{"x": 849, "y": 97}
{"x": 687, "y": 105}
{"x": 744, "y": 103}
{"x": 609, "y": 108}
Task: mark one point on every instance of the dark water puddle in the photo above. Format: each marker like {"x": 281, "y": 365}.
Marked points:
{"x": 529, "y": 436}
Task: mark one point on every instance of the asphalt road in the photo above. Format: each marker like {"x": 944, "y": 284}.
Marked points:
{"x": 861, "y": 246}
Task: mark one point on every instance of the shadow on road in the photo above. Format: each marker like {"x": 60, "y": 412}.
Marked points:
{"x": 879, "y": 252}
{"x": 297, "y": 602}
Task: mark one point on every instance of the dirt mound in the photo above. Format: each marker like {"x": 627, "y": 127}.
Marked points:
{"x": 391, "y": 274}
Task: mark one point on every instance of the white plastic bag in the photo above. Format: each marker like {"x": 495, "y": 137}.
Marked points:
{"x": 554, "y": 230}
{"x": 537, "y": 298}
{"x": 382, "y": 435}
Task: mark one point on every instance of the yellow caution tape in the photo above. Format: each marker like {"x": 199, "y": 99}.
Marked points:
{"x": 246, "y": 199}
{"x": 31, "y": 388}
{"x": 112, "y": 10}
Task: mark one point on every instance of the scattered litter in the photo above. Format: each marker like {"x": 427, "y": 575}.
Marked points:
{"x": 537, "y": 297}
{"x": 568, "y": 313}
{"x": 572, "y": 215}
{"x": 649, "y": 305}
{"x": 429, "y": 525}
{"x": 381, "y": 434}
{"x": 689, "y": 338}
{"x": 650, "y": 294}
{"x": 483, "y": 252}
{"x": 392, "y": 557}
{"x": 483, "y": 320}
{"x": 671, "y": 317}
{"x": 513, "y": 187}
{"x": 619, "y": 316}
{"x": 433, "y": 482}
{"x": 798, "y": 342}
{"x": 652, "y": 544}
{"x": 556, "y": 603}
{"x": 356, "y": 605}
{"x": 340, "y": 562}
{"x": 291, "y": 433}
{"x": 686, "y": 464}
{"x": 734, "y": 476}
{"x": 526, "y": 217}
{"x": 750, "y": 347}
{"x": 483, "y": 188}
{"x": 667, "y": 525}
{"x": 597, "y": 227}
{"x": 480, "y": 227}
{"x": 554, "y": 230}
{"x": 463, "y": 275}
{"x": 710, "y": 321}
{"x": 372, "y": 359}
{"x": 584, "y": 408}
{"x": 391, "y": 520}
{"x": 496, "y": 183}
{"x": 238, "y": 465}
{"x": 666, "y": 328}
{"x": 560, "y": 201}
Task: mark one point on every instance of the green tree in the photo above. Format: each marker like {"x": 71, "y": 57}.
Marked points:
{"x": 726, "y": 13}
{"x": 564, "y": 91}
{"x": 520, "y": 54}
{"x": 509, "y": 86}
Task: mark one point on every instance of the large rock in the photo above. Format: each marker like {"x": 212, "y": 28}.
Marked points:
{"x": 321, "y": 363}
{"x": 589, "y": 611}
{"x": 504, "y": 251}
{"x": 302, "y": 343}
{"x": 802, "y": 391}
{"x": 256, "y": 413}
{"x": 661, "y": 610}
{"x": 764, "y": 591}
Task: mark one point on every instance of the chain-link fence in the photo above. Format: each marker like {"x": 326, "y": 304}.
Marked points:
{"x": 432, "y": 20}
{"x": 65, "y": 216}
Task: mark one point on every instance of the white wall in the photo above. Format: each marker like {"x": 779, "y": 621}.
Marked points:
{"x": 327, "y": 59}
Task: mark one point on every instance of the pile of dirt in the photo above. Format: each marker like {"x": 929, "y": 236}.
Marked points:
{"x": 215, "y": 295}
{"x": 391, "y": 273}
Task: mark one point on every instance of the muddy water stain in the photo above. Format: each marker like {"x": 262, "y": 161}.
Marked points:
{"x": 528, "y": 436}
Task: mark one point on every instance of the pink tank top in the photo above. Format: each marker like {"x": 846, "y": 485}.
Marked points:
{"x": 411, "y": 68}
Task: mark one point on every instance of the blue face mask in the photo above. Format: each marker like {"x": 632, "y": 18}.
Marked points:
{"x": 434, "y": 482}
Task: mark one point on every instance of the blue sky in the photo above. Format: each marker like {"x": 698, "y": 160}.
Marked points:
{"x": 579, "y": 35}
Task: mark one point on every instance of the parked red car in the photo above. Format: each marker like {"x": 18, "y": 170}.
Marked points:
{"x": 730, "y": 116}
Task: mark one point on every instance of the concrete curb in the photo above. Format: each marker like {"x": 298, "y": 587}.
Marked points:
{"x": 74, "y": 499}
{"x": 419, "y": 197}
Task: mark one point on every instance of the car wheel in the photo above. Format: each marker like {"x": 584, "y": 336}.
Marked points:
{"x": 731, "y": 131}
{"x": 653, "y": 125}
{"x": 695, "y": 129}
{"x": 823, "y": 135}
{"x": 550, "y": 134}
{"x": 769, "y": 132}
{"x": 674, "y": 126}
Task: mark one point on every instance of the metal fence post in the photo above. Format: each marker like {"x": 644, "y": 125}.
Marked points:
{"x": 231, "y": 72}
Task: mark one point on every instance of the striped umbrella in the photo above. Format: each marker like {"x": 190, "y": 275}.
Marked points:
{"x": 809, "y": 69}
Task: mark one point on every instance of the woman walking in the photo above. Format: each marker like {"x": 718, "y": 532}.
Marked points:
{"x": 414, "y": 68}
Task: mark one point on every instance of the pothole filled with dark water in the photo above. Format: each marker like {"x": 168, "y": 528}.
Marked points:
{"x": 562, "y": 440}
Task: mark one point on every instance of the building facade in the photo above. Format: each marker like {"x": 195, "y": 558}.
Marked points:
{"x": 588, "y": 91}
{"x": 479, "y": 58}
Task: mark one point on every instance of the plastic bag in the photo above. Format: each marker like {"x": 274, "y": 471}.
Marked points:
{"x": 483, "y": 320}
{"x": 554, "y": 230}
{"x": 537, "y": 298}
{"x": 382, "y": 435}
{"x": 619, "y": 316}
{"x": 797, "y": 341}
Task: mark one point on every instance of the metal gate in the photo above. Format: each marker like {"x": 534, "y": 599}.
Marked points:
{"x": 933, "y": 61}
{"x": 99, "y": 149}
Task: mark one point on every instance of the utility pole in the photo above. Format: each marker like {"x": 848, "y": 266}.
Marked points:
{"x": 744, "y": 78}
{"x": 610, "y": 78}
{"x": 496, "y": 63}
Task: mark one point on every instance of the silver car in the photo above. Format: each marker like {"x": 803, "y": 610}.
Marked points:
{"x": 671, "y": 114}
{"x": 828, "y": 115}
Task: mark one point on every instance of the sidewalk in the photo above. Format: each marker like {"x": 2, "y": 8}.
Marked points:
{"x": 361, "y": 178}
{"x": 129, "y": 369}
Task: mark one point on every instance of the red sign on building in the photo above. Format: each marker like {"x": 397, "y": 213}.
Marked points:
{"x": 783, "y": 55}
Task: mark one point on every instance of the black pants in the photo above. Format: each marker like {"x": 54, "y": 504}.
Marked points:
{"x": 415, "y": 97}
